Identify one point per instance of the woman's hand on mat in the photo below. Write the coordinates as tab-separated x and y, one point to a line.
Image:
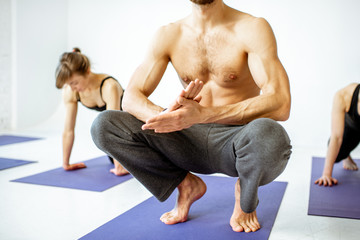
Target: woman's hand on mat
326	181
74	166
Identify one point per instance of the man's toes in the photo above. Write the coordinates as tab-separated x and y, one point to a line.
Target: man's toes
164	217
253	227
168	218
247	229
237	228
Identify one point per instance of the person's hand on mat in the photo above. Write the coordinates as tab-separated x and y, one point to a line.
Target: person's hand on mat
326	181
74	166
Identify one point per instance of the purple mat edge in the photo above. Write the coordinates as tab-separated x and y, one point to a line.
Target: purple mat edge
328	212
16	139
30	178
283	185
15	163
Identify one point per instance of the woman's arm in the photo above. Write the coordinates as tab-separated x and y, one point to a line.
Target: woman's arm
111	94
68	136
337	132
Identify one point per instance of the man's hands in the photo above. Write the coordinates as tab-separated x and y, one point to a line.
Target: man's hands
181	114
191	92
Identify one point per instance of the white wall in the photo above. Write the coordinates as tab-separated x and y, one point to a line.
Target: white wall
115	35
317	43
40	32
5	64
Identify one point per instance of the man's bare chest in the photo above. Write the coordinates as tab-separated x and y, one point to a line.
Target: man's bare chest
210	60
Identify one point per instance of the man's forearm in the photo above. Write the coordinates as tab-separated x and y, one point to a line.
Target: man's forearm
243	112
140	106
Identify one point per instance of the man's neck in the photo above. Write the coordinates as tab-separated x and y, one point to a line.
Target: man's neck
207	16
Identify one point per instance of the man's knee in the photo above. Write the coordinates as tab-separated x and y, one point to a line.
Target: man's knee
113	125
266	143
268	134
100	128
272	148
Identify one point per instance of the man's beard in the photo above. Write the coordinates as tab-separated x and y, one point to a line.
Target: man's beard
202	2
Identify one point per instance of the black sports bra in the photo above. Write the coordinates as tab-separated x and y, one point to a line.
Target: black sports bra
102	108
353	111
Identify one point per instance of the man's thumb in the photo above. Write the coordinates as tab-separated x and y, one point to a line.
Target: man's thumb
181	100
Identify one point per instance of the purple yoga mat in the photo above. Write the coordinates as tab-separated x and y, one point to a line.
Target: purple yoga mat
6	163
10	139
341	200
208	218
95	177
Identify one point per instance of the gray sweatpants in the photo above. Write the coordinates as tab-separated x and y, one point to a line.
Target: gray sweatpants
256	152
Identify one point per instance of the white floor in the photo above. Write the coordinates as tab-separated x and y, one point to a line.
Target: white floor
39	212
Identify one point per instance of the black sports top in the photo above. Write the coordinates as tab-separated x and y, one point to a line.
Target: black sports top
352	118
353	111
102	108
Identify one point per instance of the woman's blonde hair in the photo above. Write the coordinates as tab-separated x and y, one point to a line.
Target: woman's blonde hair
70	63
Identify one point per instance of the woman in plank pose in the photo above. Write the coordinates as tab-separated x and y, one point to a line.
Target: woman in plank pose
345	132
95	91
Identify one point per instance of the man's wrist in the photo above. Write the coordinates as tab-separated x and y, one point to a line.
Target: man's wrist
207	115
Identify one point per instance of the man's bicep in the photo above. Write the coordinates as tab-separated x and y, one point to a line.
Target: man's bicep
148	75
265	66
268	73
267	70
262	52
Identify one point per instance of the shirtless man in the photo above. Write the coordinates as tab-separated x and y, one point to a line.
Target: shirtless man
345	132
224	121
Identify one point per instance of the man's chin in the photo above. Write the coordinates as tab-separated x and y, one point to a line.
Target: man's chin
202	2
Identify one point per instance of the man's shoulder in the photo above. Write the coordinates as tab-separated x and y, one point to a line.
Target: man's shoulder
252	30
165	38
168	34
171	28
248	21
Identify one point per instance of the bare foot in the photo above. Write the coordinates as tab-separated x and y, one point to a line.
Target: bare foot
119	170
349	164
241	221
74	166
190	189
